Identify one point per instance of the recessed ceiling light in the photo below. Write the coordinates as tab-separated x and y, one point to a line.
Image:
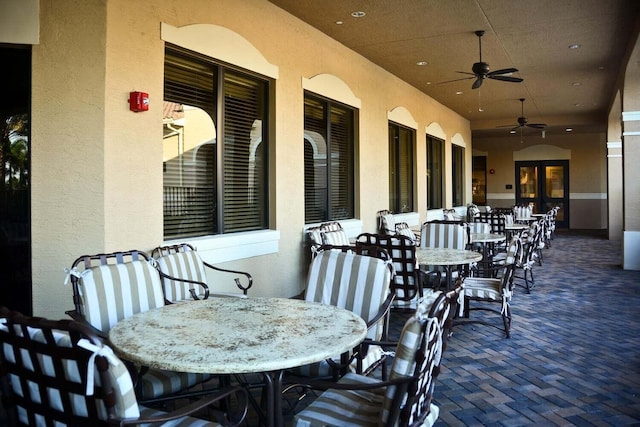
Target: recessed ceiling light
421	63
339	22
576	84
601	67
574	46
577	104
428	83
459	93
358	14
512	131
569	129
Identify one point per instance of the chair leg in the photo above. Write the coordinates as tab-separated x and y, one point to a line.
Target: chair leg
506	320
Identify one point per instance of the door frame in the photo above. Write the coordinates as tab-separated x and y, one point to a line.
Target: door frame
542	201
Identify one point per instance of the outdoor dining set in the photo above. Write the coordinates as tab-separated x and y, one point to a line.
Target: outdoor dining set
149	340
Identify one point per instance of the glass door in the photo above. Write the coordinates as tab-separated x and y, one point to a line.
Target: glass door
544	184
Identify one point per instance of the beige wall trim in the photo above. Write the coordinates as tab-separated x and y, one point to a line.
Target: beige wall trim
630	116
20	21
411	218
542	152
332	87
403	117
631	250
458	139
434	129
588	196
219	43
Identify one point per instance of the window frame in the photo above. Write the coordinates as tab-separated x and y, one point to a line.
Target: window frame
435	173
330	203
401	168
457	175
222	73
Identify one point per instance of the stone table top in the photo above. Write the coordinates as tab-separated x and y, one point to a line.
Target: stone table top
446	256
236	335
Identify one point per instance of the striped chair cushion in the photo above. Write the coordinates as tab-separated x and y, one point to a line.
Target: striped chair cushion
125	402
126	405
387	223
343	408
354	282
335	237
404	362
113	292
185	265
439	235
402	228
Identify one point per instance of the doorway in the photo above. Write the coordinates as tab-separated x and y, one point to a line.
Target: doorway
545	184
15	206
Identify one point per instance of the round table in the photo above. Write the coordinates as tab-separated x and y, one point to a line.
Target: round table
238	335
487	240
447	258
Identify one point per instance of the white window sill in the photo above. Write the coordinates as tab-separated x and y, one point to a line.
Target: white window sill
353	227
234	246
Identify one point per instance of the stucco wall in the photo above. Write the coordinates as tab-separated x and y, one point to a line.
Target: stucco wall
97	167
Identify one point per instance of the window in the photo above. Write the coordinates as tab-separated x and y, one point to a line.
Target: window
435	161
329	129
215	147
457	174
401	142
479	180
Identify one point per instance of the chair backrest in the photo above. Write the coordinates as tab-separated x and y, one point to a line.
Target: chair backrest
328	233
405	284
403	229
418	354
450	215
110	287
386	222
440	234
359	283
181	262
496	220
59	371
472	211
479	227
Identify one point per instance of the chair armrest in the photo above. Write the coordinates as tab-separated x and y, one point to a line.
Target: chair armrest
384	311
195	282
239	284
225	418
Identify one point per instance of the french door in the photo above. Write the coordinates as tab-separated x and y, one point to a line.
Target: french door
545	184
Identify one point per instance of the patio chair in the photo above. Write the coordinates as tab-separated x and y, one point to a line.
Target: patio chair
386	222
328	233
452	234
493	290
405	399
110	287
408	278
360	283
184	274
61	373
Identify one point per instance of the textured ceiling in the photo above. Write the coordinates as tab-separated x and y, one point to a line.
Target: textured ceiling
562	87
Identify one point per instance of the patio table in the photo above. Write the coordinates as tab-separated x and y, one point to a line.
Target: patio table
238	335
447	258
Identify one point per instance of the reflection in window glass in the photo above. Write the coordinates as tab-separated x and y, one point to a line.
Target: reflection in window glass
554	181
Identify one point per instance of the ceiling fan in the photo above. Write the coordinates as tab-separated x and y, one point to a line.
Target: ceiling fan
524	122
481	70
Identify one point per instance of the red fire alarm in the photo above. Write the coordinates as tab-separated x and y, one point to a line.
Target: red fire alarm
138	101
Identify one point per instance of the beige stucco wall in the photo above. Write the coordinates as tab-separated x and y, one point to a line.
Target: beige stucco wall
586	153
97	167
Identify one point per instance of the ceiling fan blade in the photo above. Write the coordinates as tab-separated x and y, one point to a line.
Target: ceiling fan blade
455	80
507	126
477	83
503	71
465	72
537	125
506	78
